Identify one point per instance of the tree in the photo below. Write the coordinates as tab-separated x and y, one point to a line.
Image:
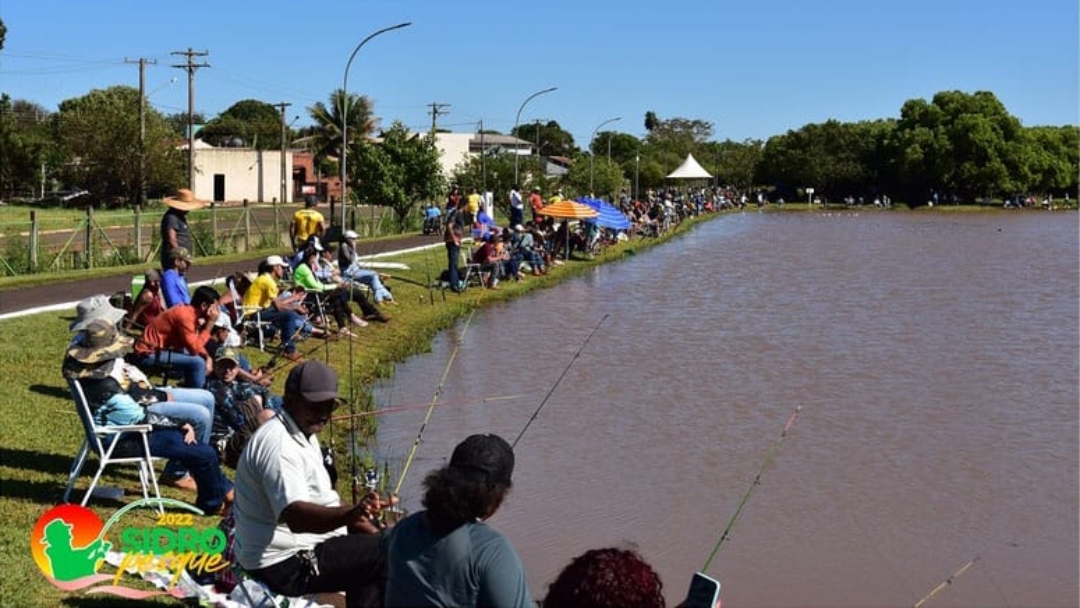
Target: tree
326	136
26	147
256	123
398	173
3	33
549	138
178	122
95	134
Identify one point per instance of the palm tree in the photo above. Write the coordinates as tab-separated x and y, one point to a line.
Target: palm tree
327	136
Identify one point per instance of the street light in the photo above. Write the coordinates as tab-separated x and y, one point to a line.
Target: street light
345	114
591	155
518	117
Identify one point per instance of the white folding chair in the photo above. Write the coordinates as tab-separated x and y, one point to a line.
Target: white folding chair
104	441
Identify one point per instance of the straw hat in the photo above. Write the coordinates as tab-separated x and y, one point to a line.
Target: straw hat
102	343
184	201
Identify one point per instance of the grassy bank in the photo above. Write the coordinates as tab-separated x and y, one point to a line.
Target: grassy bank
41	431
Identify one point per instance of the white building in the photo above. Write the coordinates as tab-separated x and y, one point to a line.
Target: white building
238	174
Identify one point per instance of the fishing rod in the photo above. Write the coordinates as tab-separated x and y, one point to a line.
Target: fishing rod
434	398
416	406
757	481
945	583
354	471
558	380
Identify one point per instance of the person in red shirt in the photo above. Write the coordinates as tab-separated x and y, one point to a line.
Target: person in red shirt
177	337
537	203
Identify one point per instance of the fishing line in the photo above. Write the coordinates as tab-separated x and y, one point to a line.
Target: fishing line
949	581
757	481
558	380
416	406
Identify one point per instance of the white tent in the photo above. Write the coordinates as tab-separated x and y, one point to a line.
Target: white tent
690	169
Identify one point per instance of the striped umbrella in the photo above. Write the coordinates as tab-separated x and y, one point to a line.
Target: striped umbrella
569	210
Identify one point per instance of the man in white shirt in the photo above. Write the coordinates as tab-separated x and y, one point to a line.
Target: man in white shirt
291	528
517	206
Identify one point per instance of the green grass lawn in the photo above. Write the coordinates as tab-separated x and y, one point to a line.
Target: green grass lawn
41	431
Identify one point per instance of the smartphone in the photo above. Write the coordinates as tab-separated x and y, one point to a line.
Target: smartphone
704	592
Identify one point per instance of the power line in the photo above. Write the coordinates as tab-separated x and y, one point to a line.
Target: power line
191	66
436	112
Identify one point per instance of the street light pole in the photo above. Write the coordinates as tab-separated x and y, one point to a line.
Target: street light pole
637	167
518	117
591	155
345	112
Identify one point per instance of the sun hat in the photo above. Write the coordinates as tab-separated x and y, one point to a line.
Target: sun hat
95	307
519	228
484	458
102	343
312	381
184	201
313	241
222	320
275	260
351	234
180	253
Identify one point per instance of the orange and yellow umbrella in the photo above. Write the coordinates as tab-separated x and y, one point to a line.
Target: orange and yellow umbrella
567	209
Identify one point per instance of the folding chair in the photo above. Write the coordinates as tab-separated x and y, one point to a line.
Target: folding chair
121	444
472	269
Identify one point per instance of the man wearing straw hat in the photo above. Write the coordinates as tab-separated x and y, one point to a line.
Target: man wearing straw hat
174	227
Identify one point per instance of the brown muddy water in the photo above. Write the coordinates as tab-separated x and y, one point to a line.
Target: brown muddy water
935	358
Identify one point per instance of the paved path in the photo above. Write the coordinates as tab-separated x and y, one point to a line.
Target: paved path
60	295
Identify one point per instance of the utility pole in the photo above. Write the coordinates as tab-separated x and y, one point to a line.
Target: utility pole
191	66
436	112
141	199
277	233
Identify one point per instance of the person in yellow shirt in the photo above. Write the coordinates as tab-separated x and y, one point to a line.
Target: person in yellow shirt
472	207
287	313
307	222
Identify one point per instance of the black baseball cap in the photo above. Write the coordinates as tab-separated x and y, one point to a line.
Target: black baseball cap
313	381
484	458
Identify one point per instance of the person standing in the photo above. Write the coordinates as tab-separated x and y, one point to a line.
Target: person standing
452	235
307	222
291	525
446	555
537	203
517	206
472	206
175	231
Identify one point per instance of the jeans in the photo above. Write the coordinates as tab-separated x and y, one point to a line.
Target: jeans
191	405
453	256
289	322
200	459
192	366
372	280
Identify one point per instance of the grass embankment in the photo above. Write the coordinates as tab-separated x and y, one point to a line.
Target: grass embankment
41	431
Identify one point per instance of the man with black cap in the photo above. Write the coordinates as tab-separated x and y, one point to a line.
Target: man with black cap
447	555
291	528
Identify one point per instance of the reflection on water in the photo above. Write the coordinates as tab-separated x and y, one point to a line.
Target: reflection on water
936	360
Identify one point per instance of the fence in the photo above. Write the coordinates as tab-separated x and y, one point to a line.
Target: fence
45	243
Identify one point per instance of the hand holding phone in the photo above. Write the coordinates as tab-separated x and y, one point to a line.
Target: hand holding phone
704	592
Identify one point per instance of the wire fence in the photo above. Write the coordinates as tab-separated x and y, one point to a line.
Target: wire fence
44	242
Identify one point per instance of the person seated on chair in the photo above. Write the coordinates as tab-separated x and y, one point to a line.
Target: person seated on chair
336	298
291	526
178	336
148	304
223	335
116	396
241	406
287	313
446	555
491	268
432	219
525	248
511	265
174	284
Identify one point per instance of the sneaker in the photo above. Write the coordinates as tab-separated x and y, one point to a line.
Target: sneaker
184	483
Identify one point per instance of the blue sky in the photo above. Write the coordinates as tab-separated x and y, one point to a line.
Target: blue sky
754	68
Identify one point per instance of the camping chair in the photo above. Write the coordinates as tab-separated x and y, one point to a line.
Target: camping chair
472	269
125	444
247	321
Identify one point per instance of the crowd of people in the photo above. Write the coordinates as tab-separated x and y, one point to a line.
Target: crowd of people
291	530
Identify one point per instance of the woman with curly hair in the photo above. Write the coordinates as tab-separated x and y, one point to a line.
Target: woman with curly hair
446	555
607	578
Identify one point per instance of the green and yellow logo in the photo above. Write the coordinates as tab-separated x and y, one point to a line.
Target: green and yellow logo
69	546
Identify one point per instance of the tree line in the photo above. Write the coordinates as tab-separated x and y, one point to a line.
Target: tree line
962	147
